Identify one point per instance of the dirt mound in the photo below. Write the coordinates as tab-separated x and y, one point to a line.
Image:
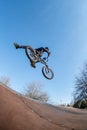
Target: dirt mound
20	113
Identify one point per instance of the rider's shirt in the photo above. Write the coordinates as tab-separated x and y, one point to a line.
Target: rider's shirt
40	50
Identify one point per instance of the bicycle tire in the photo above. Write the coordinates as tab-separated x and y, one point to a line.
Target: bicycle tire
30	52
46	73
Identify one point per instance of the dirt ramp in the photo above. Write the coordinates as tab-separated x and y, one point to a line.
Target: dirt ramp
16	115
20	113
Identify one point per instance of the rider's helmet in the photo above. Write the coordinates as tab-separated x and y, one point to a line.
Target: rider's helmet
47	48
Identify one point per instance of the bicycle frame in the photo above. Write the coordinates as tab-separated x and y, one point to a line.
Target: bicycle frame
44	61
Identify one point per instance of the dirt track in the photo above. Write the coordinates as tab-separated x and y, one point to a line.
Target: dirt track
20	113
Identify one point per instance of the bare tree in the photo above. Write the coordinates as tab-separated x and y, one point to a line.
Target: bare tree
34	91
5	80
80	94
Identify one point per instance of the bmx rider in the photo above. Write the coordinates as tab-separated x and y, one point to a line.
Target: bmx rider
39	52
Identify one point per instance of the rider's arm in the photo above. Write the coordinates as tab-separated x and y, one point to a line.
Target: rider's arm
48	53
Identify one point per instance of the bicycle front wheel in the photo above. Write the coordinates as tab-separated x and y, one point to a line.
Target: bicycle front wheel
47	72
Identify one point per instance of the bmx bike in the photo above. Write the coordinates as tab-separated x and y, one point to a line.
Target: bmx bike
32	56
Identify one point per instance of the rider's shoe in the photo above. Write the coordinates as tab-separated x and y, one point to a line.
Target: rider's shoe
33	64
16	45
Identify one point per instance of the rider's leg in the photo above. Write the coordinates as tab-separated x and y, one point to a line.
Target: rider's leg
19	46
33	64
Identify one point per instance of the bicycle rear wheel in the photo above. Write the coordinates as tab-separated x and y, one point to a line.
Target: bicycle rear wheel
47	72
30	52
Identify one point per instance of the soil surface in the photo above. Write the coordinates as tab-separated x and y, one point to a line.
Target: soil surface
20	113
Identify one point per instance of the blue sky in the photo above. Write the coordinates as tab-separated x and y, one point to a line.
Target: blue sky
59	24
